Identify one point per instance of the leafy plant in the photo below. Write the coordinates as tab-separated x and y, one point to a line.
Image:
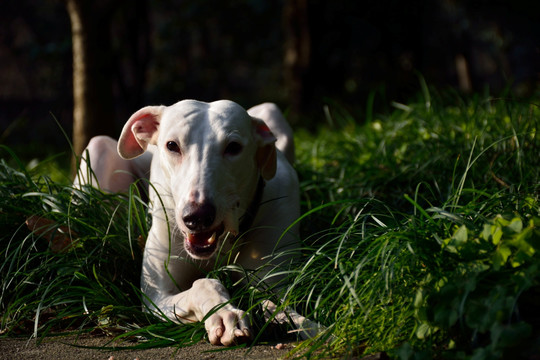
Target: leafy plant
414	270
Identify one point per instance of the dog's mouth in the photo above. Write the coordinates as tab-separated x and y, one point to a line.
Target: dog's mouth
203	244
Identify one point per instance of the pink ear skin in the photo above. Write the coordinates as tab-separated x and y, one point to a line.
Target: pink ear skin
140	130
266	153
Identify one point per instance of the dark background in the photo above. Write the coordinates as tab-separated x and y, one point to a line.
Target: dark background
301	54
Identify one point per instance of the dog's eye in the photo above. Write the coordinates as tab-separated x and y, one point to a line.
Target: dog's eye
173	147
234	148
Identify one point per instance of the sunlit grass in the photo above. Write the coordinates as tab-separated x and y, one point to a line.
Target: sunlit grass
414	221
423	176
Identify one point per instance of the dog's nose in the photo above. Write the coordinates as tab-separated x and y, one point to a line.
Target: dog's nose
199	216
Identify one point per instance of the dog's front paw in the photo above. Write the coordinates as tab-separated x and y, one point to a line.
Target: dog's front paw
228	327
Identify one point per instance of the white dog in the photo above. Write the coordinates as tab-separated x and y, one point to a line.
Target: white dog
217	171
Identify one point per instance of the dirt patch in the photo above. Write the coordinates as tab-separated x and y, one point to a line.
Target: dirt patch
63	348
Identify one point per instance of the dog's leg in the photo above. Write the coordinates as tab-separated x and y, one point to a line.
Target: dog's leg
226	325
279	126
306	328
201	300
273	117
103	168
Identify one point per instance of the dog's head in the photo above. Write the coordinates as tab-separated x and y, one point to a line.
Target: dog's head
212	156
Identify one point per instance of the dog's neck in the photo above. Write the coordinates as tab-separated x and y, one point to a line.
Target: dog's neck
251	212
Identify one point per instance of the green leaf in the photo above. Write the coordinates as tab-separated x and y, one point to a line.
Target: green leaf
493	233
500	257
424	331
486	232
505	253
497	234
419	298
460	236
499	220
516	225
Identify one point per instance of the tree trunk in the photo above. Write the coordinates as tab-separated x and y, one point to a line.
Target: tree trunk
297	52
93	110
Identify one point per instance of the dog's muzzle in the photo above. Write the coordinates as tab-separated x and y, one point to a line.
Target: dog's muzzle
201	239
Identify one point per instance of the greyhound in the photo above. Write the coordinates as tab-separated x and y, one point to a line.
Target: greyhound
217	172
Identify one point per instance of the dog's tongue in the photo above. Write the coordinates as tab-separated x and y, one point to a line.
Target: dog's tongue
202	245
202	240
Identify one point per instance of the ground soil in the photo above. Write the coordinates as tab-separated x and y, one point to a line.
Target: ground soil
63	348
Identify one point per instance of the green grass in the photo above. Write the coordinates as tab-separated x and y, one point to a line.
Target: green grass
419	238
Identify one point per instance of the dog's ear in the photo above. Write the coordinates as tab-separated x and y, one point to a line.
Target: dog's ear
266	152
140	130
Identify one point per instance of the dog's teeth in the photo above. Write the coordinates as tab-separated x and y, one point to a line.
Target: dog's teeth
212	239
